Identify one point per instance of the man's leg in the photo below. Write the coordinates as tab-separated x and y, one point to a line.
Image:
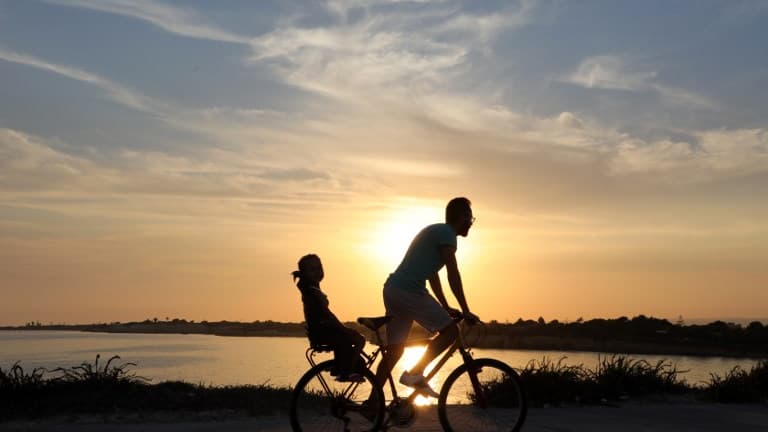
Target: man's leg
443	340
392	355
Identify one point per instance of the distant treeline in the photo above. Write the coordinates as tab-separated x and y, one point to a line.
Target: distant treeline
180	326
638	335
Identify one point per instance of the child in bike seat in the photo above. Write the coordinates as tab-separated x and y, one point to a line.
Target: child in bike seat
323	328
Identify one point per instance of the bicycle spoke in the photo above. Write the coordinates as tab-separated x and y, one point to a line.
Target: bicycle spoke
321	403
486	397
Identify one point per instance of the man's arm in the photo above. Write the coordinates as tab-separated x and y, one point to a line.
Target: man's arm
437	289
448	254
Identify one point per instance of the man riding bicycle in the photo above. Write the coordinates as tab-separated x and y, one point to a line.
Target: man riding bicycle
406	298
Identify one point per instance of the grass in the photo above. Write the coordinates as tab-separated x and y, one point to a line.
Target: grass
111	388
615	378
738	385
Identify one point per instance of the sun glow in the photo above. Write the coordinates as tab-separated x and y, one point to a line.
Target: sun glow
387	238
410	357
392	235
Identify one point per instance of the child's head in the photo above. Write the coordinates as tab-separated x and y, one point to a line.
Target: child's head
310	269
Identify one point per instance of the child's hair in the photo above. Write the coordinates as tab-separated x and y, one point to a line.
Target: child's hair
297	274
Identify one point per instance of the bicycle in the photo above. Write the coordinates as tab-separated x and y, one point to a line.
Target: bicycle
479	395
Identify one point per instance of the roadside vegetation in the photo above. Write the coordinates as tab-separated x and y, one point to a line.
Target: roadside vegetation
112	387
615	378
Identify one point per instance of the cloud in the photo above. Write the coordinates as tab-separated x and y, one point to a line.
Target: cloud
615	73
717	154
383	52
116	92
486	26
398	73
172	19
608	72
408	167
28	164
570	120
32	166
349	60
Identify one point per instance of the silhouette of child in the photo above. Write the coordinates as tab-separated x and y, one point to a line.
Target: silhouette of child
323	328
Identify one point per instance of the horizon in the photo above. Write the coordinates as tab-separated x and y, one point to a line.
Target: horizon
176	159
743	321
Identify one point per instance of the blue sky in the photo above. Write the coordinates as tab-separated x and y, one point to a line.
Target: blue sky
603	136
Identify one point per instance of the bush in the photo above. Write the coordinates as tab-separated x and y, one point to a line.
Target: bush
615	378
739	385
91	388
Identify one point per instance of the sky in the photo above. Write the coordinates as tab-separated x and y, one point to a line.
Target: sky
175	159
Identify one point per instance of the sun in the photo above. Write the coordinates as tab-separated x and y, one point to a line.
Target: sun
391	236
387	237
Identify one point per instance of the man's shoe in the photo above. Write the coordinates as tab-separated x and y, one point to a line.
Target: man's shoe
418	383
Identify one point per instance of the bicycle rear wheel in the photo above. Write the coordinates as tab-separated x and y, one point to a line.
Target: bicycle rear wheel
494	402
320	403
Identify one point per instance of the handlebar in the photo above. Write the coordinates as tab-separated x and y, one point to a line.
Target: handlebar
460	318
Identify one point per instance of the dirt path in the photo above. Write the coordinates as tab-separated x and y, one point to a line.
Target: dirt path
631	417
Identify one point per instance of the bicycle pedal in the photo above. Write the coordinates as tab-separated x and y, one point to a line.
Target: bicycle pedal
402	414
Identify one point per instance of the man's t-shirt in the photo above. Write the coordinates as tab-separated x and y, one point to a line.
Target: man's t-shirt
423	258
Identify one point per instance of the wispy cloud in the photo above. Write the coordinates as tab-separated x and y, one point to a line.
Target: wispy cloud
394	66
118	93
716	154
608	72
172	19
31	165
384	52
616	73
380	47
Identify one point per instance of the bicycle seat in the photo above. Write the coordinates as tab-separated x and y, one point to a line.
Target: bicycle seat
374	323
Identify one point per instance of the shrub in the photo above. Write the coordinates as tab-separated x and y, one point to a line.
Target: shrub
738	385
616	377
93	388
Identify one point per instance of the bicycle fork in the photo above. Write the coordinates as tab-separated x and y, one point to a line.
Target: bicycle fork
473	371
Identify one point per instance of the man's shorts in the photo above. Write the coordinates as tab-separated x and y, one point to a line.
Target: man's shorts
405	307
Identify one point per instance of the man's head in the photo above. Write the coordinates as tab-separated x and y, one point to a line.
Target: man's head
458	214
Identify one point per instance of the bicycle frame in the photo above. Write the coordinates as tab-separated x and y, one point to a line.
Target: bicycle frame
458	345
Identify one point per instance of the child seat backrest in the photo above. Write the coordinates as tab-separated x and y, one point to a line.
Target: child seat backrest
315	342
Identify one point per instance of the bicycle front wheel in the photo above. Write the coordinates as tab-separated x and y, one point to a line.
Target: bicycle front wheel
485	395
321	403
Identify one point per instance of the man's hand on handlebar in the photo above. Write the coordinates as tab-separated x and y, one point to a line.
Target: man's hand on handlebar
467	316
470	318
454	313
